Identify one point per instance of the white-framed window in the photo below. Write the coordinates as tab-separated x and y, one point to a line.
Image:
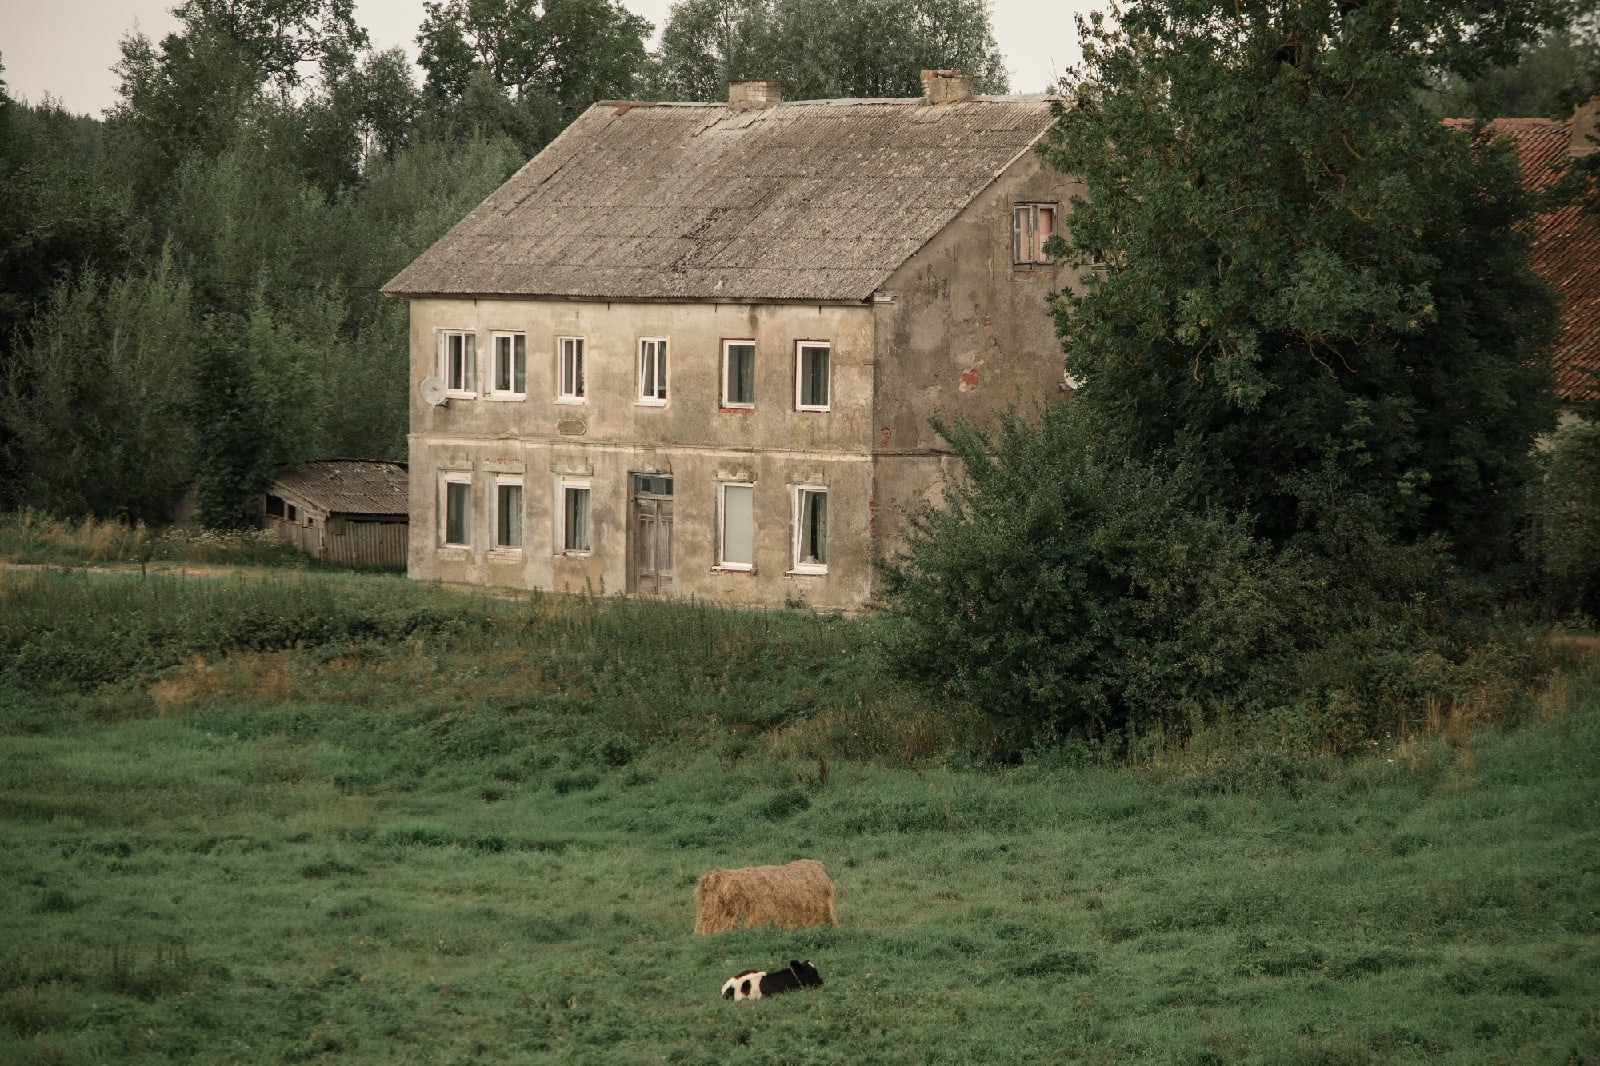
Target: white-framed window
509	379
455	510
736	538
507	513
738	373
810	529
458	362
569	369
811	375
572	524
1031	226
652	370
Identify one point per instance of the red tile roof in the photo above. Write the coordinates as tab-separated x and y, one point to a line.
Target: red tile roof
1566	253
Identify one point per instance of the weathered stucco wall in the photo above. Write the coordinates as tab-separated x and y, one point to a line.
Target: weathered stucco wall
963	331
959	329
611	435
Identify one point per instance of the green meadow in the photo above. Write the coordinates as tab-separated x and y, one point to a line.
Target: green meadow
321	817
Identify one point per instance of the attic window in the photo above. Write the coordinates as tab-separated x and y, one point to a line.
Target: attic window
1031	226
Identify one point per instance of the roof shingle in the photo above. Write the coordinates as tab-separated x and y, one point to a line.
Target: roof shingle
1565	252
348	486
817	200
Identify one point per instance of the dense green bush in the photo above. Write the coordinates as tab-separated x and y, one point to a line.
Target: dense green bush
1564	532
1069	589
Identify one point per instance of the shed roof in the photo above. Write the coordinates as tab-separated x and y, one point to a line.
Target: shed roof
1565	252
348	486
813	200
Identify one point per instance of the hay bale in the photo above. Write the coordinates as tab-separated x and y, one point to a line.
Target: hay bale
789	896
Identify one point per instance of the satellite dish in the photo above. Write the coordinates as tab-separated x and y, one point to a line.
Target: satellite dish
432	390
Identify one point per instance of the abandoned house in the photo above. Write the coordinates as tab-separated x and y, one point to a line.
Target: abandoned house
692	349
347	511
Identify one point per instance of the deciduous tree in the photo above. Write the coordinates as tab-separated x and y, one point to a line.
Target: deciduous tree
822	49
546	60
1307	276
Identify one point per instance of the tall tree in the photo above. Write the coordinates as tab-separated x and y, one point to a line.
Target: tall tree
97	401
1309	280
825	48
707	43
527	67
61	212
191	93
1549	76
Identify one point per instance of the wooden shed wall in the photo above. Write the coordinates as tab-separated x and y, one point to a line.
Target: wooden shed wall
365	542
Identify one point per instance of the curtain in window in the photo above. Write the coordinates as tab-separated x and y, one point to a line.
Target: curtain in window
813	527
813	376
458	503
577	519
508	512
741	373
738	524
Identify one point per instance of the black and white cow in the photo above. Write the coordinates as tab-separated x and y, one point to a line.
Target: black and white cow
753	984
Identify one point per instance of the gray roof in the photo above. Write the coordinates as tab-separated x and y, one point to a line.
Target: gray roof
815	200
347	486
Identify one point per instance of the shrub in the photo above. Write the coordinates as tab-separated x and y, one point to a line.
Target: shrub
1068	589
1563	537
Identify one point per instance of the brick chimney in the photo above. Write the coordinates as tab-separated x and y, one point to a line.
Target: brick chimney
1585	128
754	93
945	86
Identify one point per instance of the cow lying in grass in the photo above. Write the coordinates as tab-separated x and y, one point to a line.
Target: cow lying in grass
753	984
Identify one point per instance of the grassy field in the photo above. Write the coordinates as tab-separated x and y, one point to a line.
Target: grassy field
327	818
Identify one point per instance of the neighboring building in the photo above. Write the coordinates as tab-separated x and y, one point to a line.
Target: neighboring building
348	511
693	349
1566	247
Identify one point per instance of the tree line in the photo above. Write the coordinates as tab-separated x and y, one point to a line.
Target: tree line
189	287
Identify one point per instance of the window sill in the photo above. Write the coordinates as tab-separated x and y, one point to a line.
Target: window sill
804	570
813	410
454	549
732	568
643	402
737	408
505	554
507	396
460	395
574	553
572	401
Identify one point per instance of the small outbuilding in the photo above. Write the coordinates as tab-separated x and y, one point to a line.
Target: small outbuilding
347	511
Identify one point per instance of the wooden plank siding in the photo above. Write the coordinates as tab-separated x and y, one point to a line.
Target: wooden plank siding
365	542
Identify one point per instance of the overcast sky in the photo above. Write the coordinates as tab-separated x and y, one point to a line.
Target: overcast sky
67	47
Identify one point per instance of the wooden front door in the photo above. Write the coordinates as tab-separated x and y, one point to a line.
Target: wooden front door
651	529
